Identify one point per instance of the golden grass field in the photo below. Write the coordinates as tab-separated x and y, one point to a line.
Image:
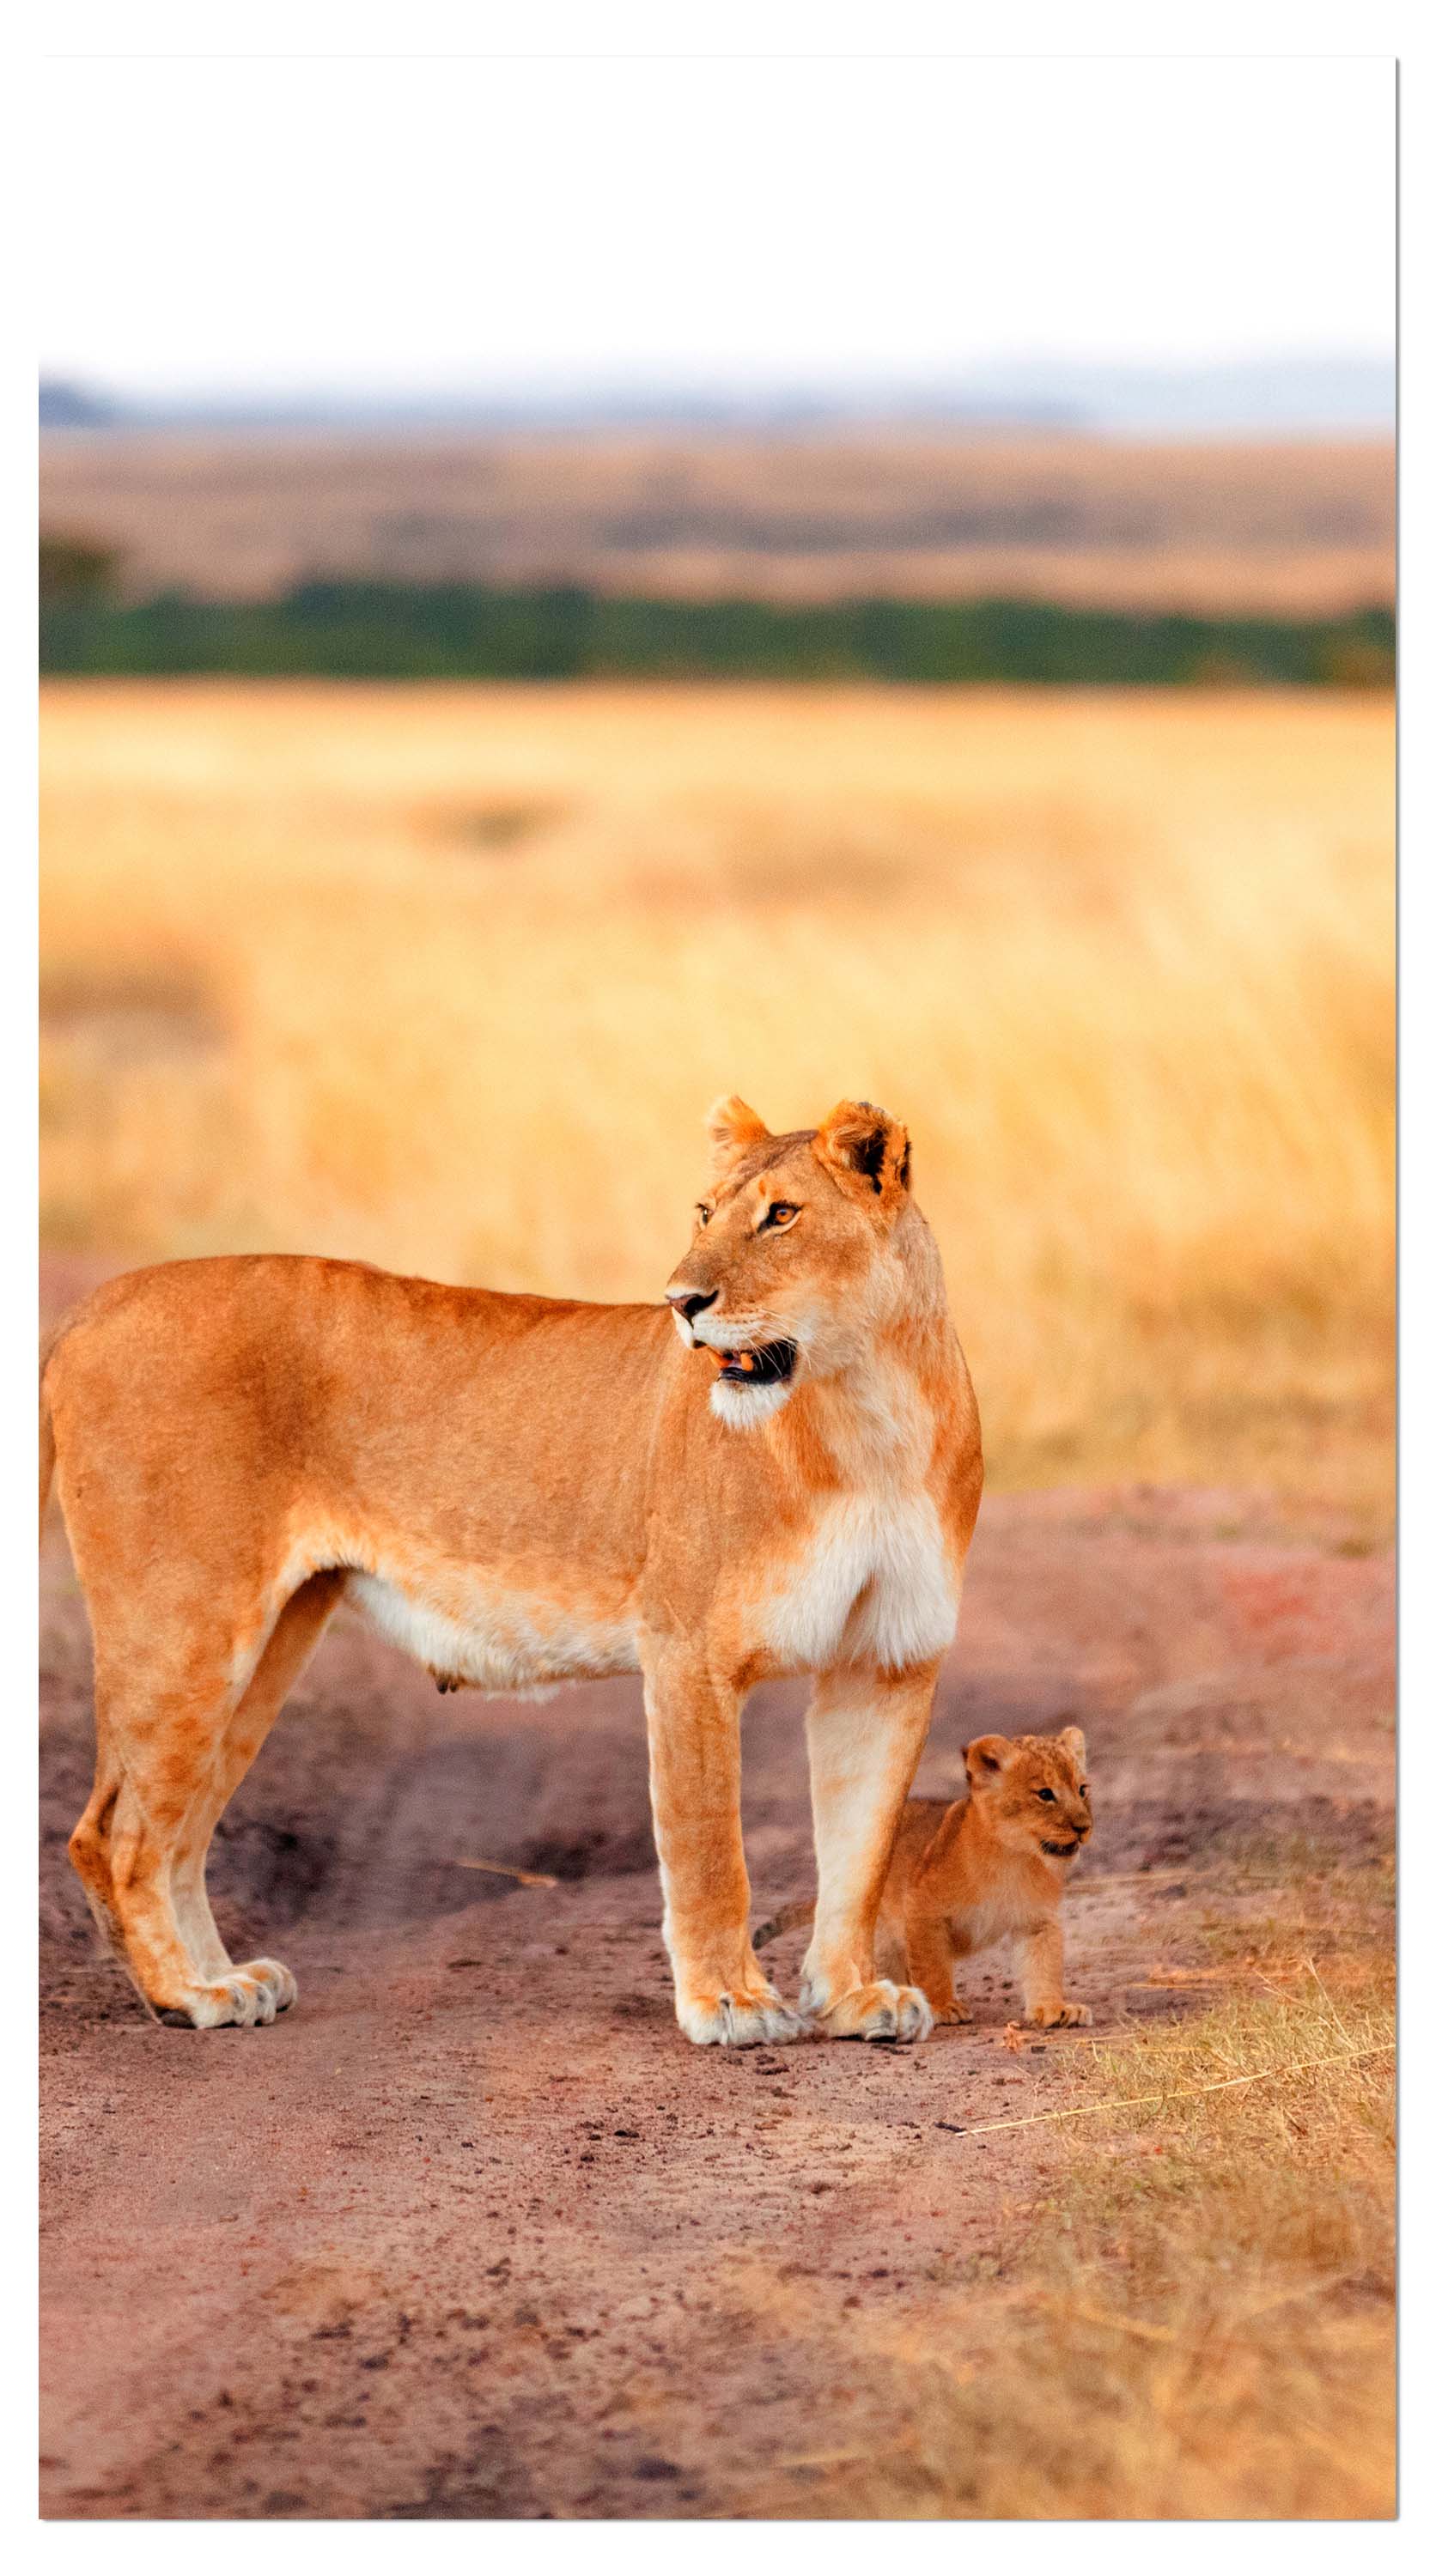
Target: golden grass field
445	977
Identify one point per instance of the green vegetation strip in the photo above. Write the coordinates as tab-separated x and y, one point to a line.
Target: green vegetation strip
392	631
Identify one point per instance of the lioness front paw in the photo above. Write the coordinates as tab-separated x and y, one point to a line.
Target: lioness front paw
254	1993
740	2019
879	2011
1060	2016
958	2009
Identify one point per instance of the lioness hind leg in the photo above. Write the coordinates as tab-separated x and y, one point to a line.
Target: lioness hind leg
158	1733
295	1635
90	1847
175	1739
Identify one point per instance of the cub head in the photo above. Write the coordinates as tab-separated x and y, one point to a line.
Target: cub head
793	1266
1034	1790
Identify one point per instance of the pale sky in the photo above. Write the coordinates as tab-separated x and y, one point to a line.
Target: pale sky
299	227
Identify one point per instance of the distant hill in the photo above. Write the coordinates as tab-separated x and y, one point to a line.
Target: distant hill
1313	396
1248	398
66	406
1213	529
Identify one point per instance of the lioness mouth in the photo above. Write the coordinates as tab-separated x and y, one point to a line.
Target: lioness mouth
770	1365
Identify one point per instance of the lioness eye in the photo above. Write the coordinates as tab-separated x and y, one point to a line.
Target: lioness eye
704	1214
1050	1795
780	1213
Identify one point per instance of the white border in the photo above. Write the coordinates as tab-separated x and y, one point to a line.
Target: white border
915	29
814	30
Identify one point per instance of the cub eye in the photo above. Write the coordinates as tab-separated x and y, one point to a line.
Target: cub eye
781	1214
1050	1795
704	1214
1082	1791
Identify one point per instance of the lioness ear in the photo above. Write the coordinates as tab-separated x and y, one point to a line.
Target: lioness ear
733	1127
1076	1743
733	1130
865	1151
985	1757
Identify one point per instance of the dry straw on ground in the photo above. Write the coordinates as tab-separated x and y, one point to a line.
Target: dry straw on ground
446	978
1213	2275
1193	2321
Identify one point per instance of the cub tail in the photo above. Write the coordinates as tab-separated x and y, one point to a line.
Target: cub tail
787	1919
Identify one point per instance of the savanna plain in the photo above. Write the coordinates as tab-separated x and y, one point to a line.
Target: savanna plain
444	978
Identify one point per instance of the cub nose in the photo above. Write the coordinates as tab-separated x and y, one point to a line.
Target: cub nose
691	1301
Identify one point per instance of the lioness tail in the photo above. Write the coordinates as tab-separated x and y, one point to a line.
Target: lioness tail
47	1426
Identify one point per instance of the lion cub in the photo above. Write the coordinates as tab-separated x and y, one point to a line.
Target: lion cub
993	1863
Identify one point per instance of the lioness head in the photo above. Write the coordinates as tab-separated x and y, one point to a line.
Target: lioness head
1034	1789
793	1265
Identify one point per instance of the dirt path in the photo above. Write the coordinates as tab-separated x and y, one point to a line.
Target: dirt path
473	2231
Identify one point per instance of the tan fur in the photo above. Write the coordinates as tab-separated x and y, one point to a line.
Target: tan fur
966	1875
523	1490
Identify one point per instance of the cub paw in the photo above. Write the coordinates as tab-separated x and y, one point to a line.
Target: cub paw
729	2020
879	2011
1060	2016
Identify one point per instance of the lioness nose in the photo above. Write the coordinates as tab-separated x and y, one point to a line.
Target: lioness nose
690	1301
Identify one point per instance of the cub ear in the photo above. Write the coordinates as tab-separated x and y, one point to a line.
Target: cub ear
733	1130
866	1151
1075	1743
985	1757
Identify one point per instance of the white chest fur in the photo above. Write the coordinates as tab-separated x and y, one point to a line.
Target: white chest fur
872	1582
981	1925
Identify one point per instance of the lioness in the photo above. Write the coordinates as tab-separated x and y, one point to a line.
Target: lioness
989	1867
524	1490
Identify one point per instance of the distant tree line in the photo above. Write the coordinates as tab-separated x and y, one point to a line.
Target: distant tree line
76	568
367	630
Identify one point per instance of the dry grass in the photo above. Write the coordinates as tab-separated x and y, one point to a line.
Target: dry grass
1303	528
446	978
1185	2305
1184	2301
1197	2324
1192	2318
